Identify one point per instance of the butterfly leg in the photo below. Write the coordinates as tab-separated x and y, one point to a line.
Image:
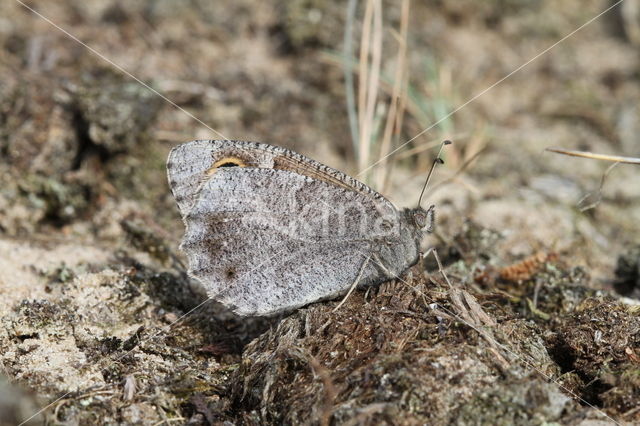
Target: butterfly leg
390	275
440	268
354	285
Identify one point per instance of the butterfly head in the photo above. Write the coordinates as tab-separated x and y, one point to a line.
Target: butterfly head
423	219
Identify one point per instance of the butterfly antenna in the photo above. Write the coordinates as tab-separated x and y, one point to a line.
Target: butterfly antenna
438	160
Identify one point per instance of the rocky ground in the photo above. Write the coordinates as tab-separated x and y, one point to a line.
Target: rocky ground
540	322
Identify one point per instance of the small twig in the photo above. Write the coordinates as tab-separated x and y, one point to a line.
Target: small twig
62	402
630	412
537	312
171	420
472	314
329	388
348	74
363	79
594	156
536	293
616	159
440	268
582	205
395	112
407	313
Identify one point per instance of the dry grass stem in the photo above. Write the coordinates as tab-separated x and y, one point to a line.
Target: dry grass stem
594	156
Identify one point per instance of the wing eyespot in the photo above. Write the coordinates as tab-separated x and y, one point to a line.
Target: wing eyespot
226	162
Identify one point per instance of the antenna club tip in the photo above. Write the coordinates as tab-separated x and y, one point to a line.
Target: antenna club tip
440	160
447	142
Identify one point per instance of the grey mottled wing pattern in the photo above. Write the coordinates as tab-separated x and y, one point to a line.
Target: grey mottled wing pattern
263	241
190	165
269	230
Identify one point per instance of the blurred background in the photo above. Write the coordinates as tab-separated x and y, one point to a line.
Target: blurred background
368	87
83	144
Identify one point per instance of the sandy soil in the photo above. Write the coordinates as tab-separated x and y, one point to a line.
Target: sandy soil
99	323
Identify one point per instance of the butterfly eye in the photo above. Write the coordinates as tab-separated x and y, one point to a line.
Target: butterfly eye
420	219
424	219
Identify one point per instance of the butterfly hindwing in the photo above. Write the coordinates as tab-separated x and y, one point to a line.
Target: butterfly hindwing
263	240
269	230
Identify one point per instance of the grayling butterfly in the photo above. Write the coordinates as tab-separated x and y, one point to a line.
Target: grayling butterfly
269	230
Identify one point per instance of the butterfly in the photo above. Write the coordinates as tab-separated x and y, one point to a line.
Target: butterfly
269	230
